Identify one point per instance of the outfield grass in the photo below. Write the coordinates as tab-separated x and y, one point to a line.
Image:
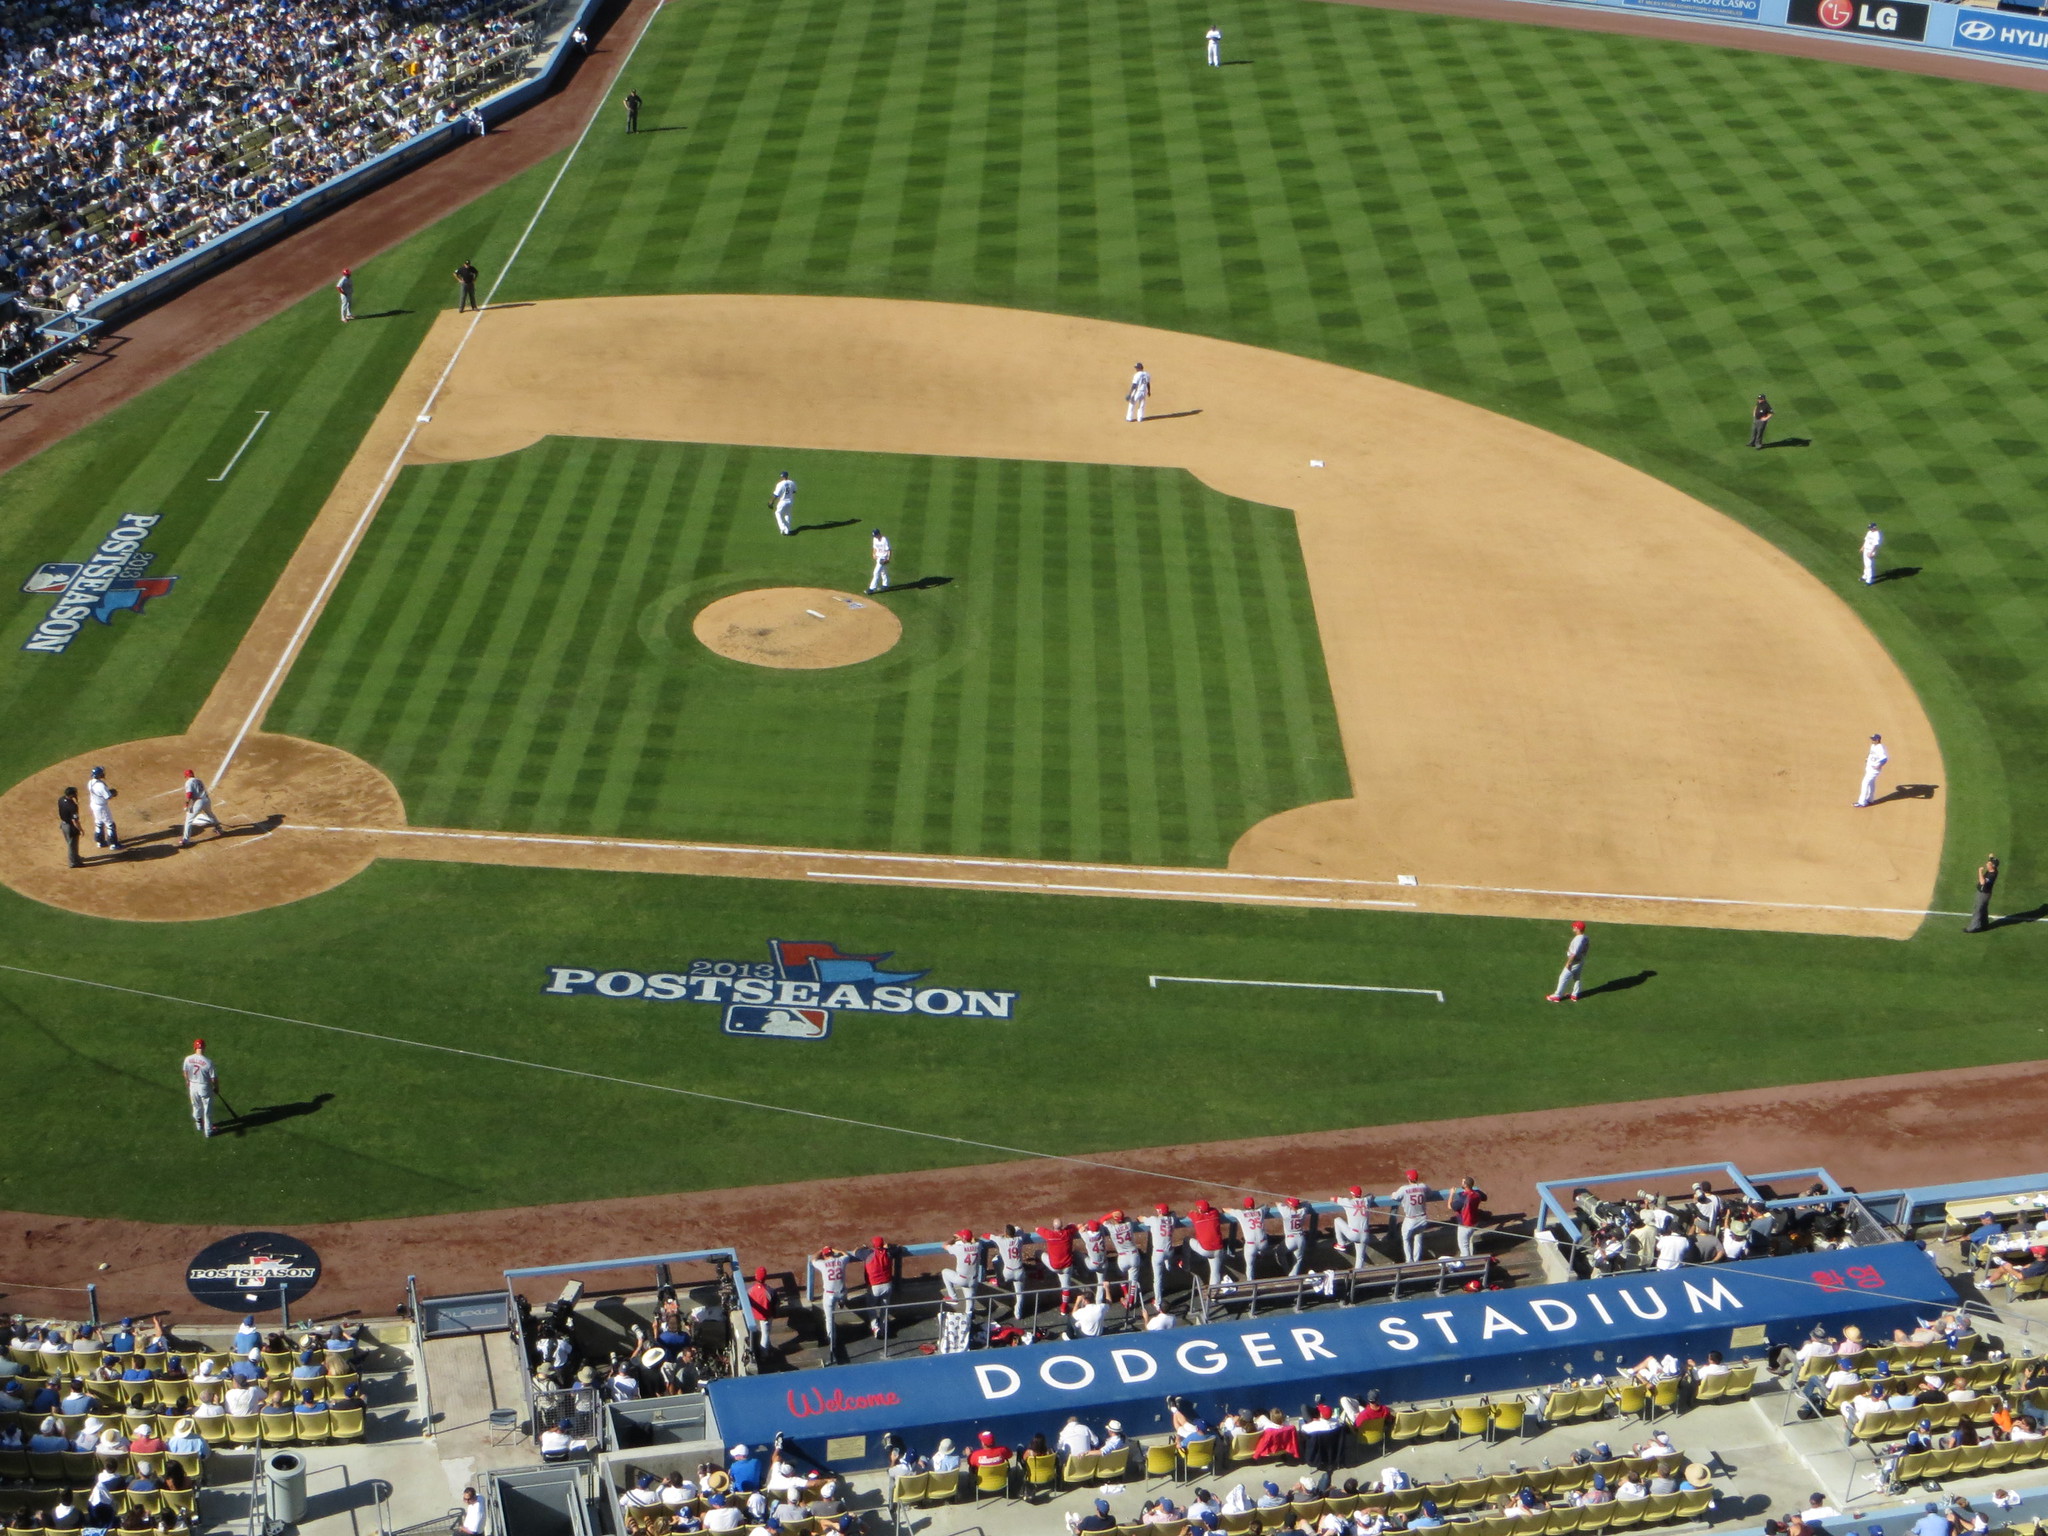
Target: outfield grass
1619	240
1104	663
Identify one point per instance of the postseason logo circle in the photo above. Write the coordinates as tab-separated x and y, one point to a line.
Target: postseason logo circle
252	1271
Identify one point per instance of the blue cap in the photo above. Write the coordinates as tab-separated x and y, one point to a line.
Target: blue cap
1102	1506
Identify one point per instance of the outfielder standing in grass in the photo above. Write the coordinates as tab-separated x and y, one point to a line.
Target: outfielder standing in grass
1574	962
1215	41
198	809
1872	542
201	1083
345	285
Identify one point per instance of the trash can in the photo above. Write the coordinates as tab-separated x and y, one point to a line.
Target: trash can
286	1474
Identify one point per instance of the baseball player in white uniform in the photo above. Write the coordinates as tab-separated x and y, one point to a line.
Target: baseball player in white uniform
964	1278
1873	764
1411	1200
1574	964
879	581
1159	1236
99	794
201	1083
1215	41
1123	1237
1095	1254
1136	396
345	285
1873	541
1251	1225
782	501
198	809
1354	1223
831	1267
1294	1219
1009	1246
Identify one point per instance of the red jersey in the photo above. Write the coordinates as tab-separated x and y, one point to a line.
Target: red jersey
1059	1245
881	1266
1208	1227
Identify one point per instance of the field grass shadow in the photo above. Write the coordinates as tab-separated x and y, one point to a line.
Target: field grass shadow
1619	984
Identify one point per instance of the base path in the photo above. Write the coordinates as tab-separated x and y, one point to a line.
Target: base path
1877	1133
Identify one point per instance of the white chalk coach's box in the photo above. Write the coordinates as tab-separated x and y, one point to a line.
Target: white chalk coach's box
1430	1347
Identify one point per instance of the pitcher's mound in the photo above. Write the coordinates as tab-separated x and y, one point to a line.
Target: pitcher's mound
806	627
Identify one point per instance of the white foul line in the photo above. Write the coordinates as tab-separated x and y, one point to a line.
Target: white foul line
1312	986
376	500
1102	890
261	417
948	862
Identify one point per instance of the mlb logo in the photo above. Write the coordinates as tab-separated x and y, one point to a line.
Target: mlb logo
778	1023
51	579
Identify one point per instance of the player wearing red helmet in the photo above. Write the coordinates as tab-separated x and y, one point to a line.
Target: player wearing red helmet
1208	1238
1059	1257
1294	1223
831	1267
1251	1226
1159	1234
964	1278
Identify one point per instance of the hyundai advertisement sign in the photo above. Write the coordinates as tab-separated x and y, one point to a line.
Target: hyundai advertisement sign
2016	37
1434	1346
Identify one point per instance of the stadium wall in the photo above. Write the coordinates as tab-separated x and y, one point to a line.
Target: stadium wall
1434	1347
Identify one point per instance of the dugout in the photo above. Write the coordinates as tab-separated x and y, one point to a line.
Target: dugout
1424	1349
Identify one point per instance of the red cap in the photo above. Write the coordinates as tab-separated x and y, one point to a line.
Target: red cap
761	1273
1163	1209
198	1045
878	1242
1294	1200
1094	1226
1412	1175
1202	1205
347	271
1356	1190
988	1437
965	1232
1578	927
1116	1215
1250	1203
190	774
825	1252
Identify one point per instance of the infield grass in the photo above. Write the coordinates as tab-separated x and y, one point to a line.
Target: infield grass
1620	240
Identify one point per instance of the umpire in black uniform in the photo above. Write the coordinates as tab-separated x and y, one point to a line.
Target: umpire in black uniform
1987	881
67	818
466	275
1758	420
632	111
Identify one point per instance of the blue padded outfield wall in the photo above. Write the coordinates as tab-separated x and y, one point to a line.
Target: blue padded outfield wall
1416	1350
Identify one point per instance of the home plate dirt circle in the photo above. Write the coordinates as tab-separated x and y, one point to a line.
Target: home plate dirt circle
275	783
800	627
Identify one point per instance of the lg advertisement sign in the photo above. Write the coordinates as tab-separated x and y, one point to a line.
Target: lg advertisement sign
1901	20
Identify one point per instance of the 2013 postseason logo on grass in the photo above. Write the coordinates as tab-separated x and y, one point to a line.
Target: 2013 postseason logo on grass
115	579
794	996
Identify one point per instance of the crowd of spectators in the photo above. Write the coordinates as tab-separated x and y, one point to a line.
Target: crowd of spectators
132	132
1654	1231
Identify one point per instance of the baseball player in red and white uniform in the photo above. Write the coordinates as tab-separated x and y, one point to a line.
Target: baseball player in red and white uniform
1251	1226
1095	1254
1058	1256
1208	1239
198	809
964	1278
1354	1223
1294	1220
880	1268
1159	1235
1411	1202
831	1267
1009	1246
1123	1237
201	1083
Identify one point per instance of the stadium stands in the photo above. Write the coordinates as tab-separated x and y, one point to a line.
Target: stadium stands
133	133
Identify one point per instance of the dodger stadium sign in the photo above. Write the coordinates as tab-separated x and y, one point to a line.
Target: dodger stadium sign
795	995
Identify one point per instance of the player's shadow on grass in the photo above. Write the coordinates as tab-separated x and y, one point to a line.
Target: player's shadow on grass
1897	573
1791	442
384	314
270	1114
1619	984
921	584
2014	919
665	128
844	522
1908	792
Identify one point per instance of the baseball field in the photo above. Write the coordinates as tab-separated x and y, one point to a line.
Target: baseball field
1439	602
